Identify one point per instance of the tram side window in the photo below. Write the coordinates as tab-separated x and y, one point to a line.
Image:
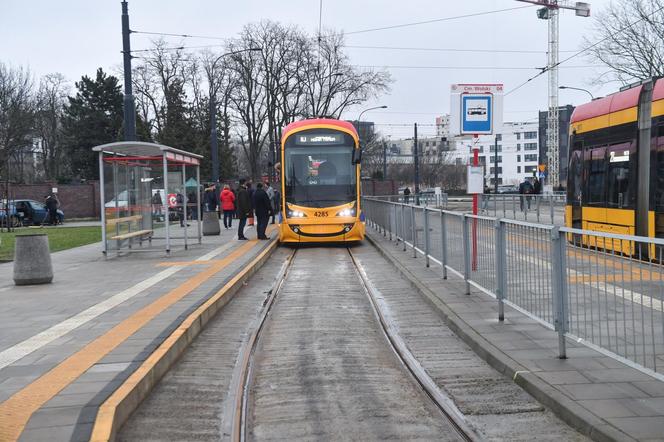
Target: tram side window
595	165
574	174
618	176
657	174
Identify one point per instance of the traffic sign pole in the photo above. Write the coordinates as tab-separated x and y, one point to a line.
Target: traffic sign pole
476	162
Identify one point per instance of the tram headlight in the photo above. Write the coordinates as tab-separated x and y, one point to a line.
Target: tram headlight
347	212
295	214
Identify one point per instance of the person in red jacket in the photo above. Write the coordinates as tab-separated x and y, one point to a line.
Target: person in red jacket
228	206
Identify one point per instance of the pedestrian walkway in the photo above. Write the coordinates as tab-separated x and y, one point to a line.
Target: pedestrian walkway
597	394
67	346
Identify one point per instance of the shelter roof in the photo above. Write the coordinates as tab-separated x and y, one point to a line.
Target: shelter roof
143	149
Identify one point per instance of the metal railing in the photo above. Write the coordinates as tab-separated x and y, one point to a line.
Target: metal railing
603	290
426	199
547	208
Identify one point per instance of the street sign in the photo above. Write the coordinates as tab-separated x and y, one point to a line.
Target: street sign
475	181
476	109
542	167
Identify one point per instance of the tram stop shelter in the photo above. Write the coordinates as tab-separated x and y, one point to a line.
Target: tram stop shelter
147	191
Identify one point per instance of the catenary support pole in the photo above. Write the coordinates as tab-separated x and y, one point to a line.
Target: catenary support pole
129	110
416	166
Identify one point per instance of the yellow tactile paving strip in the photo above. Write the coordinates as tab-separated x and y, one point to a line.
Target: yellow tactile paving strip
16	411
107	418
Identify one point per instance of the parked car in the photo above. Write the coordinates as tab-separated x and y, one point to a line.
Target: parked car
15	217
34	213
508	189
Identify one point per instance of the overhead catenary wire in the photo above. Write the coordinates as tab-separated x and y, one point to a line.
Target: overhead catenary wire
402	25
582	51
436	20
430	49
484	68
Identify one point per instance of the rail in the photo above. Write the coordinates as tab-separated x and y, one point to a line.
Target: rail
603	290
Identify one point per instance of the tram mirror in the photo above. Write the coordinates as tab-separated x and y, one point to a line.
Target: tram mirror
357	155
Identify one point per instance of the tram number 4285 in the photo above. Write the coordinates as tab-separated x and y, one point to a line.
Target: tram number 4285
321	213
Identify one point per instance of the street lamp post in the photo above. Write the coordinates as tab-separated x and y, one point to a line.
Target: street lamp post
359	119
592	97
214	146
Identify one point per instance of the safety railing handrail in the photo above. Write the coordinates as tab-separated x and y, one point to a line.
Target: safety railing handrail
525	265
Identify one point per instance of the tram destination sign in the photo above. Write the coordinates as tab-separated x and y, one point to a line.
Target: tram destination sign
319	139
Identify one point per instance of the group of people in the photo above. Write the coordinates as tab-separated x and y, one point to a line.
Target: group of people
243	203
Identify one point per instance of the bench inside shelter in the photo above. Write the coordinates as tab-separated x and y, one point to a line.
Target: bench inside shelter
132	224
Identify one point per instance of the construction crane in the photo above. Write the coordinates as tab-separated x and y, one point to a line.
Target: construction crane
550	11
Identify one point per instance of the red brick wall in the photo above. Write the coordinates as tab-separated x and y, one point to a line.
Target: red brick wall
379	187
76	200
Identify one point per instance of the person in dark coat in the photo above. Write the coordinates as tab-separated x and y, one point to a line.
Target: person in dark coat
52	204
537	187
243	209
210	199
406	195
263	210
526	189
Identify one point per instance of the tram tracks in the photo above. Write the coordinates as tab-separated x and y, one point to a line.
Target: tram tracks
241	391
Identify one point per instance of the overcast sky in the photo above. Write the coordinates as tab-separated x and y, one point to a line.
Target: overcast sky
74	37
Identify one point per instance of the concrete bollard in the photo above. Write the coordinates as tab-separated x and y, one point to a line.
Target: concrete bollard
32	260
211	224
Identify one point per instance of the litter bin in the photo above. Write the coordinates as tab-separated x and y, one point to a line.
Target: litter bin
32	260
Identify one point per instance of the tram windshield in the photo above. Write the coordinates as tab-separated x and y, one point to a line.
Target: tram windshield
319	169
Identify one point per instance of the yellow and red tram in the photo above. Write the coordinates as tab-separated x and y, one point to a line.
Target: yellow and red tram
615	178
320	182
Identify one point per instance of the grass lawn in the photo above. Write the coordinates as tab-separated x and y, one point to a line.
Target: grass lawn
59	238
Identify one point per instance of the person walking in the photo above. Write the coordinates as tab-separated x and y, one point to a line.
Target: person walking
406	195
250	190
270	194
537	187
210	199
180	208
525	190
228	206
156	205
276	204
263	209
52	204
243	209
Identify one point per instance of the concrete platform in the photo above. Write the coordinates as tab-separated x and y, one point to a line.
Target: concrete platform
66	347
600	396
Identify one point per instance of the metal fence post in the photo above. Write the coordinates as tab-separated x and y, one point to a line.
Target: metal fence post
537	198
396	224
501	275
403	226
443	243
551	207
412	219
385	218
389	218
466	254
559	285
426	237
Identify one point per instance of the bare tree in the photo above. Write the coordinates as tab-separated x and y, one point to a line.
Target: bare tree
51	100
332	84
631	33
17	107
248	98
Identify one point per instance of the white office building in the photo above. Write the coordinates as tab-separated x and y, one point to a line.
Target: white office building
518	150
